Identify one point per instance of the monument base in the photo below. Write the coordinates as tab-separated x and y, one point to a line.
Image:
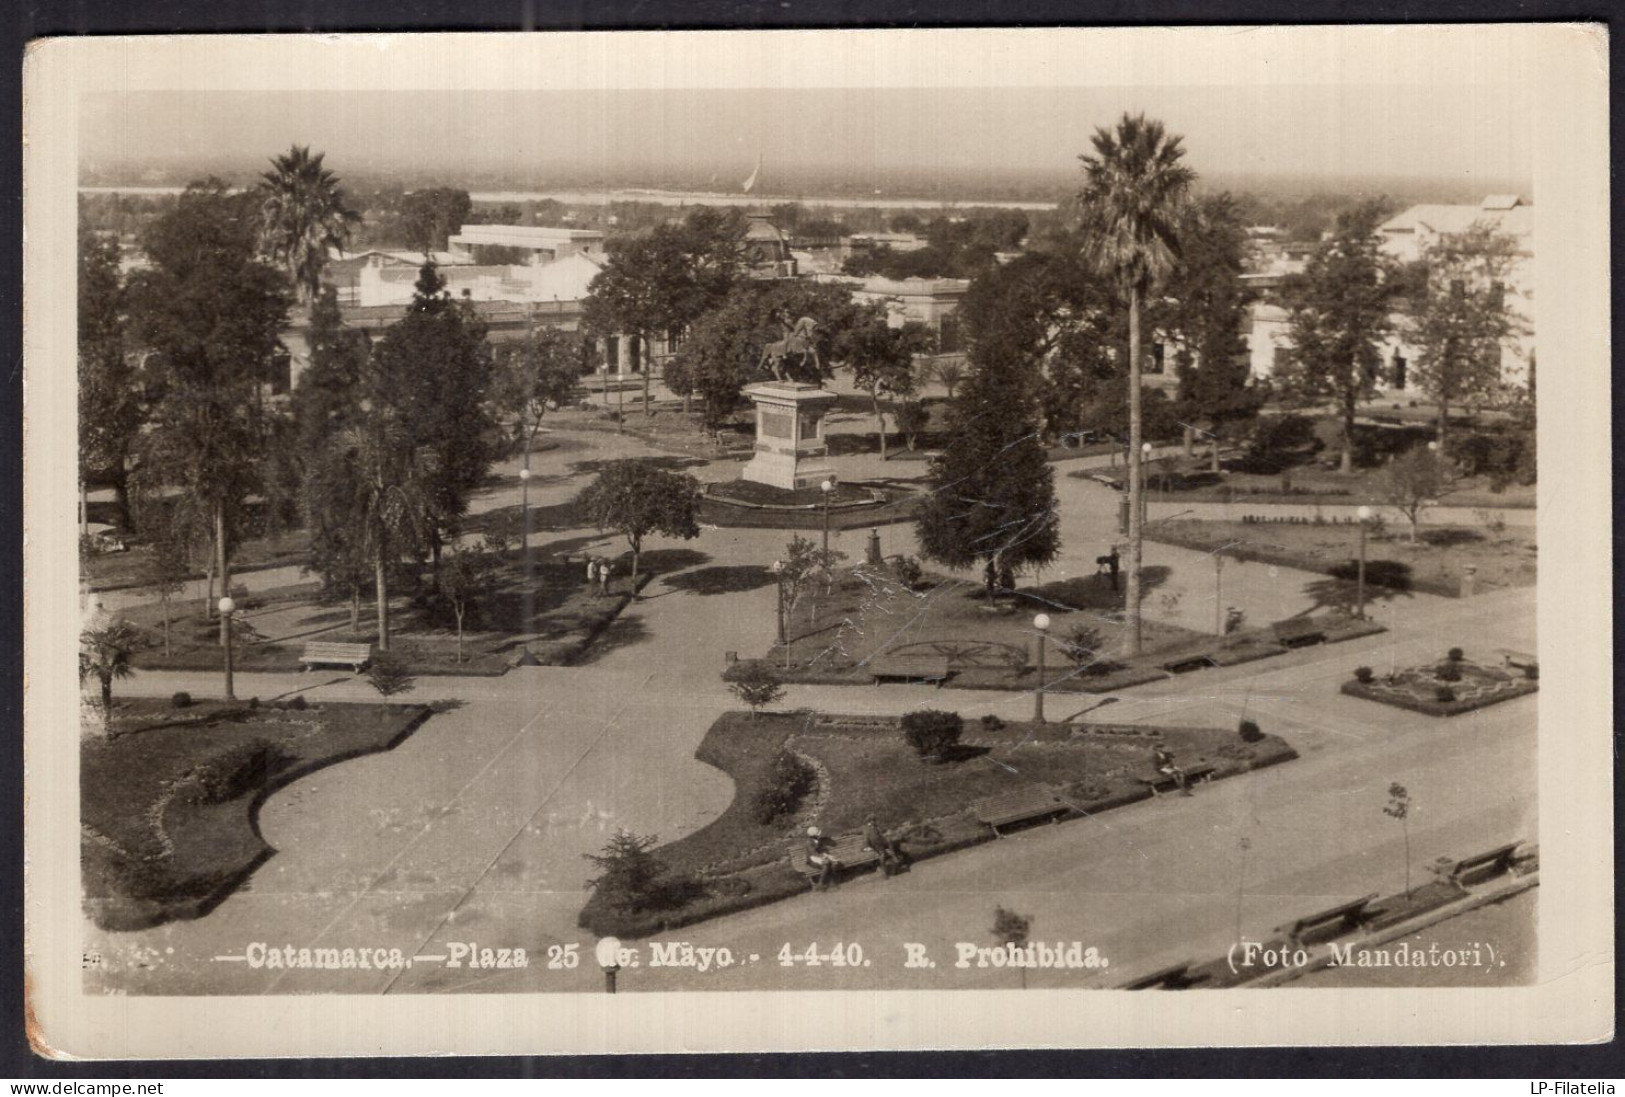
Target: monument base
790	449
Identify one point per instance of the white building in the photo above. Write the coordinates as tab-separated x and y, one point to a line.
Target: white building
544	244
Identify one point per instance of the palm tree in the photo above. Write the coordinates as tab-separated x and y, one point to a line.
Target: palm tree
1135	188
304	216
391	500
104	654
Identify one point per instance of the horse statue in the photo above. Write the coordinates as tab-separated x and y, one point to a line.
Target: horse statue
798	343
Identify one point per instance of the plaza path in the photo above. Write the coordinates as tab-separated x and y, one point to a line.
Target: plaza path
473	829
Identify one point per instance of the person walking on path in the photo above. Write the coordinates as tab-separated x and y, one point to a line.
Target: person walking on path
592	574
604	571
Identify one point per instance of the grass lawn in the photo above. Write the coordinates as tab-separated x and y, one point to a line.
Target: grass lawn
1435	562
120	570
1417	689
556	616
169	797
1188	480
864	767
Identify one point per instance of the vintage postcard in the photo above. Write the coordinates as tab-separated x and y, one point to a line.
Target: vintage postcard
818	540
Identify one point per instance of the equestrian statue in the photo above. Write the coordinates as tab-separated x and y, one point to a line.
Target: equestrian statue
798	345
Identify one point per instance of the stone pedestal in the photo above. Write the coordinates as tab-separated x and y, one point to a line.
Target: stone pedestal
790	449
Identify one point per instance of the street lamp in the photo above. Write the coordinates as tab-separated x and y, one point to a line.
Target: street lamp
778	581
1364	515
1041	623
1145	472
608	954
1218	594
227	607
828	488
524	514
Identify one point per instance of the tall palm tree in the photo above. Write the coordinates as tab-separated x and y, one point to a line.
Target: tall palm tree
391	499
1135	188
304	215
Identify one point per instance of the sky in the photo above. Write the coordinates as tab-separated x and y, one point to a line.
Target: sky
1450	132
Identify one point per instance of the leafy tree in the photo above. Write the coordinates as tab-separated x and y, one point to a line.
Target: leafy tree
992	496
166	571
634	498
542	372
104	654
1463	318
882	360
1135	188
1208	307
467	576
434	370
111	409
208	313
1338	314
430	216
327	399
304	216
631	879
664	281
756	686
721	353
1399	807
800	563
912	419
932	733
1413	480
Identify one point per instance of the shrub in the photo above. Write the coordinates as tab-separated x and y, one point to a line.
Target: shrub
788	782
253	703
388	675
932	733
1362	674
1455	655
1448	672
1249	731
1531	672
182	699
243	768
908	571
1082	644
299	704
992	722
631	879
756	685
1444	695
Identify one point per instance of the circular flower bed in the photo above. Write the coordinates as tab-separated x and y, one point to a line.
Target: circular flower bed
1442	689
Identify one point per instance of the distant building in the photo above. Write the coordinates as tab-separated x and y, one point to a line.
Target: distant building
932	302
542	244
767	250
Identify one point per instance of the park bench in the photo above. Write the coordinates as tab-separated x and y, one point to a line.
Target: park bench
1326	924
910	668
1024	805
1478	868
1521	660
1160	783
319	653
1173	977
1298	632
1184	664
848	850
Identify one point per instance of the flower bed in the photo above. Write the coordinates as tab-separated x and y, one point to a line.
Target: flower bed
1417	689
865	768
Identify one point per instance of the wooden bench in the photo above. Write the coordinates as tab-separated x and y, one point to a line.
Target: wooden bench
910	668
1522	660
1298	632
1329	923
848	850
1160	783
1173	977
318	653
1184	664
1481	867
1024	805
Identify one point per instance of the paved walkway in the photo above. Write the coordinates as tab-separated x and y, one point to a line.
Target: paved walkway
474	828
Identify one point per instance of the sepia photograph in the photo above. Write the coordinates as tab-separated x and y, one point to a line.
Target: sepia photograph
703	517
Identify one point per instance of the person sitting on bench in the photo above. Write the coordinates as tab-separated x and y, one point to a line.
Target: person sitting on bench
818	857
1164	763
891	858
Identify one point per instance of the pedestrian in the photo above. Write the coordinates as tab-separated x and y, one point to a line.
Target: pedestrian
592	574
604	570
1113	563
891	860
1164	763
819	857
